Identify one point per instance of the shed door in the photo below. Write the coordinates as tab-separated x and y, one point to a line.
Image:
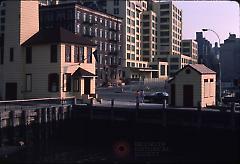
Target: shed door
188	95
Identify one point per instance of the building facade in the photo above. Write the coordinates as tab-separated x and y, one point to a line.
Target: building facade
204	49
149	35
103	29
190	48
60	65
193	85
37	65
230	59
169	27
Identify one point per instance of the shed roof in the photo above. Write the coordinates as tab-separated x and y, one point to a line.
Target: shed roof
200	68
57	35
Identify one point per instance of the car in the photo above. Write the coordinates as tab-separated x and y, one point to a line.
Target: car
157	97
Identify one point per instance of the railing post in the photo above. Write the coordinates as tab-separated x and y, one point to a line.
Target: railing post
12	118
39	116
112	103
25	116
164	104
61	113
44	112
199	114
233	108
69	111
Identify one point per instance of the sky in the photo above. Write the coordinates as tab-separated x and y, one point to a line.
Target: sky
221	16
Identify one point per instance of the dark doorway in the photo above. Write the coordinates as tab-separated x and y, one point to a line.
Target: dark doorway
87	85
11	91
173	94
188	95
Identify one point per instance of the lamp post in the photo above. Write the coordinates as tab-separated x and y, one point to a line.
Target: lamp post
219	65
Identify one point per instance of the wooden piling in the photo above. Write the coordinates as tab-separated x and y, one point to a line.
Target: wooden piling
61	113
49	114
25	117
69	111
39	116
55	113
44	115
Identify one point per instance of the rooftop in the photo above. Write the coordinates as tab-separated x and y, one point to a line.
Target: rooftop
57	35
82	6
201	68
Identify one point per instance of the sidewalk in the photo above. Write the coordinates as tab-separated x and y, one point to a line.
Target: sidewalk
132	105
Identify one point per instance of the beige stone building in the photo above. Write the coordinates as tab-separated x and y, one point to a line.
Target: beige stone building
193	84
42	64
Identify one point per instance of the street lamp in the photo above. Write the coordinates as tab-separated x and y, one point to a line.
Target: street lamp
219	65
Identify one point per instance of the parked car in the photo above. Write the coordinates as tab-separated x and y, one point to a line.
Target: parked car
157	97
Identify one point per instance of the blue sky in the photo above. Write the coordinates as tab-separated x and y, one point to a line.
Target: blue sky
220	16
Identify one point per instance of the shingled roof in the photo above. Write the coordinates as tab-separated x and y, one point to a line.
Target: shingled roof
202	69
57	35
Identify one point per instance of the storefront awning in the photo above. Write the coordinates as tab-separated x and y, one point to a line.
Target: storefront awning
82	73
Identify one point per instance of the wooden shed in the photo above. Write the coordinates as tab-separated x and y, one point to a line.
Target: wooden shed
193	84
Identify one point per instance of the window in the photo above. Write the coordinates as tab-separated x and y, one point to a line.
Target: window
128	55
11	54
28	82
206	88
116	10
81	54
146	31
162	70
76	54
174	59
66	82
28	55
101	33
76	85
2	56
89	55
53	82
173	67
53	58
211	88
67	53
116	2
3	12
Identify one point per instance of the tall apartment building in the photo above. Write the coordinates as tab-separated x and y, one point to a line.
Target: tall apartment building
190	49
149	35
230	58
169	34
132	12
204	48
2	17
102	29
